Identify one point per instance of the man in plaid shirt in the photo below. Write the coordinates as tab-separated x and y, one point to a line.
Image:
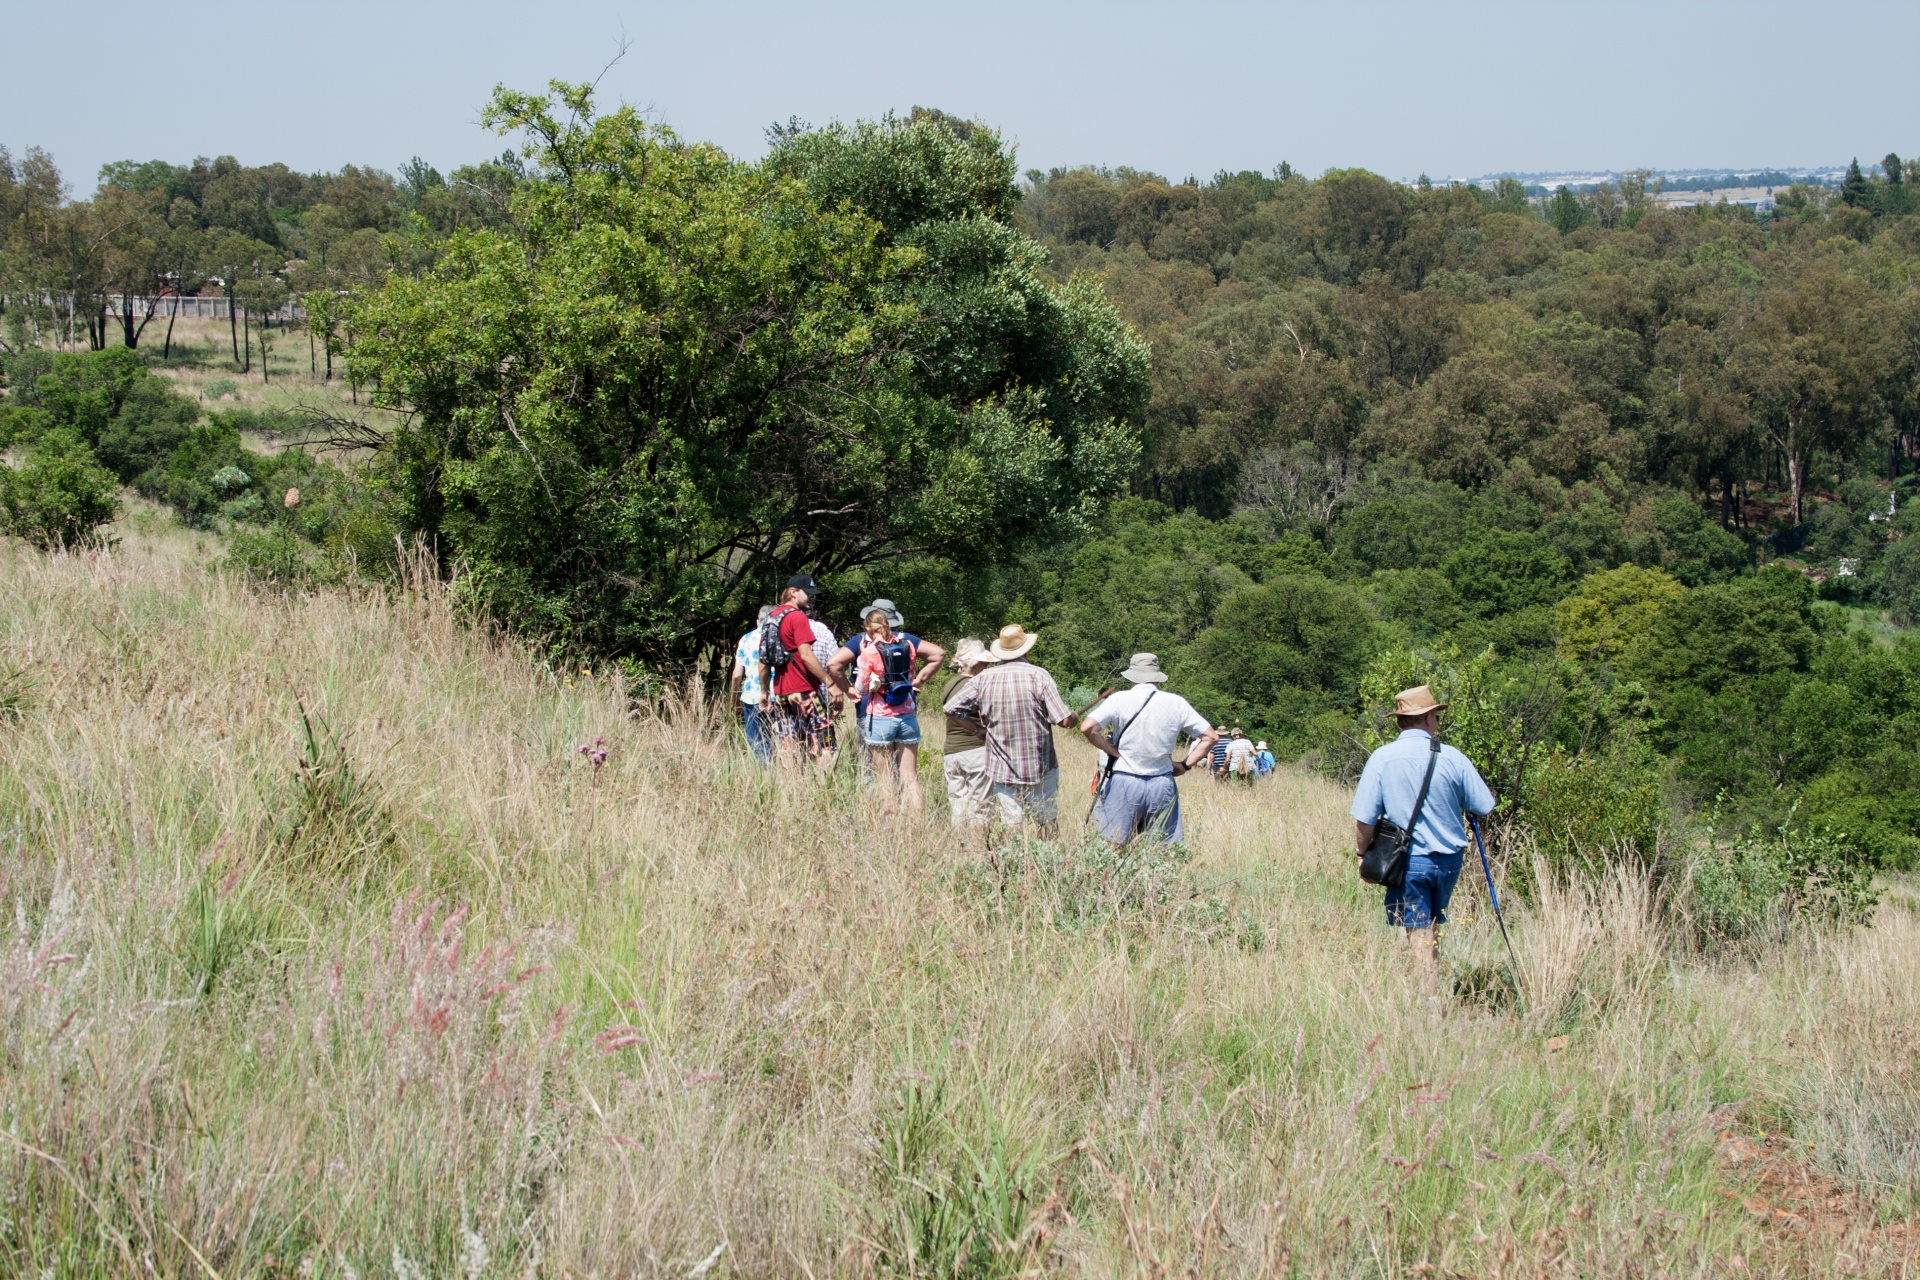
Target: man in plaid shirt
1016	705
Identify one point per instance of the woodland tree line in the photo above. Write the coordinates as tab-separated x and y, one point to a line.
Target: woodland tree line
1630	482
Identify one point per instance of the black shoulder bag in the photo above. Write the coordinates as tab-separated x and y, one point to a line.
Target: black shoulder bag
1385	861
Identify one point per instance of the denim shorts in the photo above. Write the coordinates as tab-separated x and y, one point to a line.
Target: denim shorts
1422	897
891	731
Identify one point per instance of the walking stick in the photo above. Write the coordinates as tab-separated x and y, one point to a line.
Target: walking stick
1494	895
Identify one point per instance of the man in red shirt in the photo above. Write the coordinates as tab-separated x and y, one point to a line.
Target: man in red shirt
802	718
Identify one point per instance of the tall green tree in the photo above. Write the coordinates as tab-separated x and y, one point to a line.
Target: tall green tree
1565	212
1813	364
1855	190
675	378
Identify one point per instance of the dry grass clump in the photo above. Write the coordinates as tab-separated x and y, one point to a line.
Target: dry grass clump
413	986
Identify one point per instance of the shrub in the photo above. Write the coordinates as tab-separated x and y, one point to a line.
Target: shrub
153	420
1281	655
219	389
274	556
1756	884
60	496
1874	803
82	390
1590	809
22	425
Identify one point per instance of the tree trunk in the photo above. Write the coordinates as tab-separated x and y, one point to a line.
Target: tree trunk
246	335
1796	480
313	362
128	334
166	347
232	332
329	355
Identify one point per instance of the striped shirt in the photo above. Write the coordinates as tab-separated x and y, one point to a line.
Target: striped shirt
1017	704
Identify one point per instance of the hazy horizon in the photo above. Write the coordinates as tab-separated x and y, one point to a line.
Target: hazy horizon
1399	88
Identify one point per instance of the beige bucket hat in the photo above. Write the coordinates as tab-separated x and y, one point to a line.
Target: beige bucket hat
1416	701
969	652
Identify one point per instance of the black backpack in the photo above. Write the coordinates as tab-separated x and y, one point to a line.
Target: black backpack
896	671
773	650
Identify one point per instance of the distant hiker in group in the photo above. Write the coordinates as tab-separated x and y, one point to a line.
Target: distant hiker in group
824	647
1262	759
1420	786
1137	730
1217	758
891	668
969	790
751	691
801	712
1240	757
1016	705
849	654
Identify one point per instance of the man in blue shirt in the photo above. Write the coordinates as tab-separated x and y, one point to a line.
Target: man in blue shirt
1389	786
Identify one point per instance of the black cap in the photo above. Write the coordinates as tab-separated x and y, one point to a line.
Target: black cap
803	582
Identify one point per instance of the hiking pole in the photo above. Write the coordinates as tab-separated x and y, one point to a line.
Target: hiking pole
1491	893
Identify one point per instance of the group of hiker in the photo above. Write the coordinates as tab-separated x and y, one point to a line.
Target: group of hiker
794	681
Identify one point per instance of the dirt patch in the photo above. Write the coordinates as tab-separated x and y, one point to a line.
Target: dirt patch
1807	1217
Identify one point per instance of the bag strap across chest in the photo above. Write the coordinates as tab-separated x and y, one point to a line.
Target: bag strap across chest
1433	758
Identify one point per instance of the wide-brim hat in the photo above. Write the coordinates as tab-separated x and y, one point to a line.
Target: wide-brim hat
971	653
1013	642
1145	669
894	617
1416	701
1260	745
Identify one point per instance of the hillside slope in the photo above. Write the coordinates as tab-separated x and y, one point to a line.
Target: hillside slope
414	984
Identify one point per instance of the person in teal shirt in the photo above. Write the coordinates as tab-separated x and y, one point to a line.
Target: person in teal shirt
746	684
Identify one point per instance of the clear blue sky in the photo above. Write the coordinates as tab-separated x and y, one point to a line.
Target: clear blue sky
1446	88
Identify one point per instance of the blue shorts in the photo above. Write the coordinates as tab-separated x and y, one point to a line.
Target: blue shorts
891	731
1423	896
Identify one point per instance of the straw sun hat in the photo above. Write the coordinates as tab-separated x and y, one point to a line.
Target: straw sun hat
1013	642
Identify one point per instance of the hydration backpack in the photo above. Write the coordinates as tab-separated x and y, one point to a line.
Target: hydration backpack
773	650
896	671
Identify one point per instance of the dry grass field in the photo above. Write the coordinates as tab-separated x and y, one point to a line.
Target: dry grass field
330	954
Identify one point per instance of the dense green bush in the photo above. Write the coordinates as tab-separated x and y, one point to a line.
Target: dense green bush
22	424
1590	809
1741	887
1283	655
60	496
152	421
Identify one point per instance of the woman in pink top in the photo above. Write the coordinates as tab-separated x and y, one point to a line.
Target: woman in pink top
886	681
